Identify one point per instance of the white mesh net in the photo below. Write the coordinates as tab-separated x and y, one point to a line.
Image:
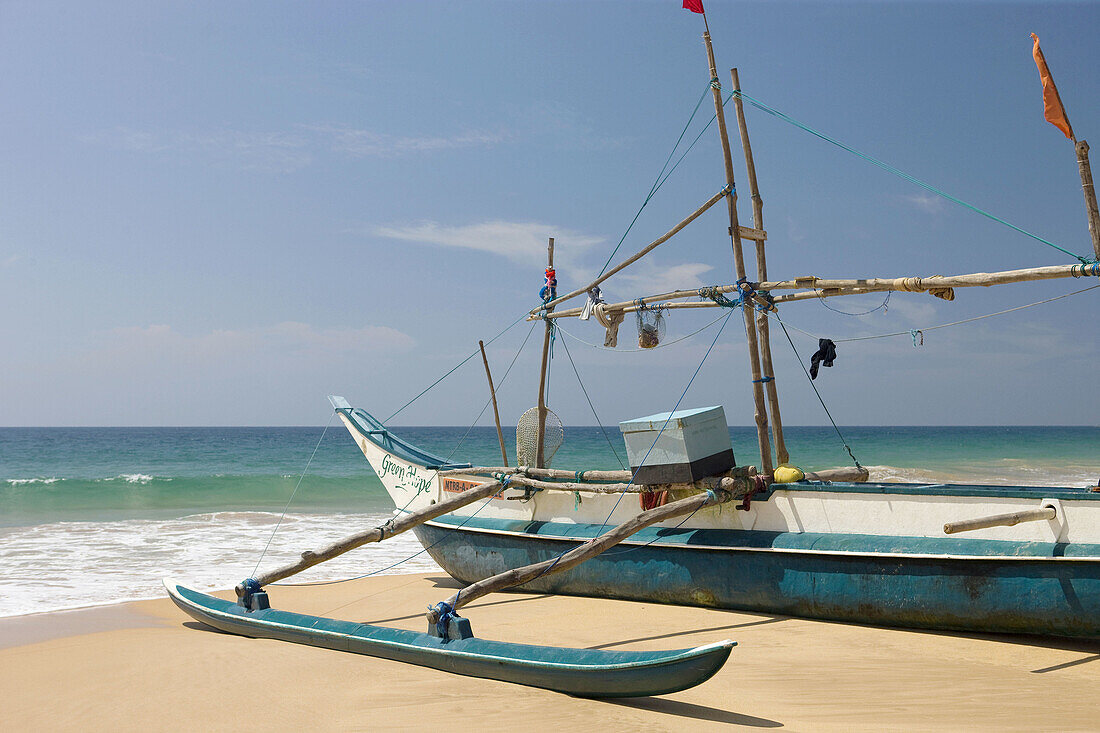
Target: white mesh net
527	437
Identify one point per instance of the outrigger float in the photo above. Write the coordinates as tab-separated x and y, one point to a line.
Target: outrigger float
772	539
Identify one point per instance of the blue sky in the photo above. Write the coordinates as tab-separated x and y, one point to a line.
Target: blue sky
216	214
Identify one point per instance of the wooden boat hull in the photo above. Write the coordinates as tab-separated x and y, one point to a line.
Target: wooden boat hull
579	672
873	553
981	586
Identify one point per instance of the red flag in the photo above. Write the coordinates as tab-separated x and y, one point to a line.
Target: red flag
1052	103
695	6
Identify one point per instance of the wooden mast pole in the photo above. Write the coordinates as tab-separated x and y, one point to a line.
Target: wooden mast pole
781	455
539	459
761	414
493	394
1090	195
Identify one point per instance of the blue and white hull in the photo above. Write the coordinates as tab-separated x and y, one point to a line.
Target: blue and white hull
863	553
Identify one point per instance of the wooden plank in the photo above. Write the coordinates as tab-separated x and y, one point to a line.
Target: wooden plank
758	235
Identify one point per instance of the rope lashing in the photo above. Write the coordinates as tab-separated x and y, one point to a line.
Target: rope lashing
444	612
916	285
715	83
901	174
760	300
764	380
916	332
712	293
760	484
1085	270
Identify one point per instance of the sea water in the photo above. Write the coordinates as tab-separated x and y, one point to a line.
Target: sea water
98	515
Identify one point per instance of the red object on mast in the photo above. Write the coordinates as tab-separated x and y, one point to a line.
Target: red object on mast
1053	109
695	6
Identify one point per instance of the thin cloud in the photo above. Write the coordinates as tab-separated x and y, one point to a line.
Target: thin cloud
284	152
522	242
926	202
260	150
647	278
289	337
367	143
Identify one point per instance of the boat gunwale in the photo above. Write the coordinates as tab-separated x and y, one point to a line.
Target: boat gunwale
666	543
407	451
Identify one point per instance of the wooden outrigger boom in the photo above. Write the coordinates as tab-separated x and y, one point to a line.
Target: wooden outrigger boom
826	288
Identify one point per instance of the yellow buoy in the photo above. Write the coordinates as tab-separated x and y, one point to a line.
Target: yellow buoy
786	474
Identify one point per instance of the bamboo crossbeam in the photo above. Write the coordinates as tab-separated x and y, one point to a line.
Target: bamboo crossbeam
935	282
854	474
591	548
540	473
1001	520
640	254
723	482
560	473
397	525
827	288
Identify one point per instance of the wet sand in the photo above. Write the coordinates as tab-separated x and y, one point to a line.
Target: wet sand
147	666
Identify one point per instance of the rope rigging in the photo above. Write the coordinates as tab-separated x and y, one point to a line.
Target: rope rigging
903	175
662	176
450	455
918	331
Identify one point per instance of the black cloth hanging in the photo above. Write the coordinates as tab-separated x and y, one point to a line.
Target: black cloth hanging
826	352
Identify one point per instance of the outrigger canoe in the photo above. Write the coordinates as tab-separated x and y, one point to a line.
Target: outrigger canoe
579	672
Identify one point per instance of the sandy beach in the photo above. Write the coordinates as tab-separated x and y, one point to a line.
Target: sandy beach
146	666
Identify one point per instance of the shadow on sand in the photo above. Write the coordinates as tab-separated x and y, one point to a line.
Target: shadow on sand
693	711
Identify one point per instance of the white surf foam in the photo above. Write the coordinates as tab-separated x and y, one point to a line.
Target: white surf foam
63	565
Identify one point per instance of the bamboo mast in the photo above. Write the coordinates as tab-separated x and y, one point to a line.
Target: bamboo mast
781	455
1090	195
542	373
493	394
760	410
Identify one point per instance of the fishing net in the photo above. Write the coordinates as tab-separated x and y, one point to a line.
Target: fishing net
527	437
651	326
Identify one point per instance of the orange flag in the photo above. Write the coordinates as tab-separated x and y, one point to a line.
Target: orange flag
1052	103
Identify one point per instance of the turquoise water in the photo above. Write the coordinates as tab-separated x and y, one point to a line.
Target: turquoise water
98	515
105	474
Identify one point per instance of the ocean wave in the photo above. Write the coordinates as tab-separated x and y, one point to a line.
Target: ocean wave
1002	472
63	565
29	481
133	478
